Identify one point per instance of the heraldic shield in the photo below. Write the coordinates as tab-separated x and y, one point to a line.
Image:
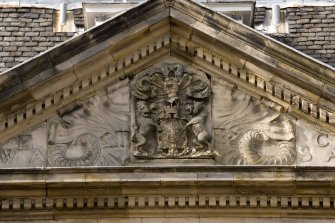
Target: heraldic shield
171	107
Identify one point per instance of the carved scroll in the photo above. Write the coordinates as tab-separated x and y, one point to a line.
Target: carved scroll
93	132
248	132
171	106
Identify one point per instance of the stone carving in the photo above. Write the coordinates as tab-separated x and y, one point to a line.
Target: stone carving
37	157
248	132
28	149
83	151
8	151
202	136
171	106
320	140
93	132
147	125
315	147
304	154
330	155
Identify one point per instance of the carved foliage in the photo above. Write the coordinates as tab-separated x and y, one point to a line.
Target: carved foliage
248	132
171	105
92	132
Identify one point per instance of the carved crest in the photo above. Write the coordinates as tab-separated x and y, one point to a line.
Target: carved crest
171	113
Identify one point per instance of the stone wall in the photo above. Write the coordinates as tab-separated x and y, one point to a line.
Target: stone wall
26	32
311	30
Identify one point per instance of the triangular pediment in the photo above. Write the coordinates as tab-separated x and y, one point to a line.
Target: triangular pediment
244	68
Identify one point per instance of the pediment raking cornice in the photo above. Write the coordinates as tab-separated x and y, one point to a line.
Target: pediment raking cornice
193	37
255	85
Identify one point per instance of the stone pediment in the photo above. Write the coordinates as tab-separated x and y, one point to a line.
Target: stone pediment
168	81
169	109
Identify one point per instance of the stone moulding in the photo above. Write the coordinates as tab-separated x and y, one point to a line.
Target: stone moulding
84	85
294	102
284	96
221	203
223	191
271	90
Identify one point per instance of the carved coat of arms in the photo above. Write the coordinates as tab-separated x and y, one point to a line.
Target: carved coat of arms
171	107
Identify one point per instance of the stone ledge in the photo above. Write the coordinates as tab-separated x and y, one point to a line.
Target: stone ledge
169	173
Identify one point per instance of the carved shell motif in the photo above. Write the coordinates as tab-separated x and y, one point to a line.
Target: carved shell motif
84	151
257	148
248	132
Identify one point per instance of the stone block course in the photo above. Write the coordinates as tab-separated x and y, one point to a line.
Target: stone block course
18	24
23	38
9	38
17	43
8	10
7	59
12	28
10	48
31	43
327	20
5	33
26	20
24	49
23	10
319	16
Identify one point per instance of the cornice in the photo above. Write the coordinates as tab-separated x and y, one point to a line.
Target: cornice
289	101
200	44
294	101
204	205
184	190
86	85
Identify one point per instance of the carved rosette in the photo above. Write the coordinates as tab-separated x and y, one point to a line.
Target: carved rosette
171	107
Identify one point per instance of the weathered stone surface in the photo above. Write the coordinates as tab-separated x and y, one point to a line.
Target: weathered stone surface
93	132
26	150
171	111
248	133
131	98
314	147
